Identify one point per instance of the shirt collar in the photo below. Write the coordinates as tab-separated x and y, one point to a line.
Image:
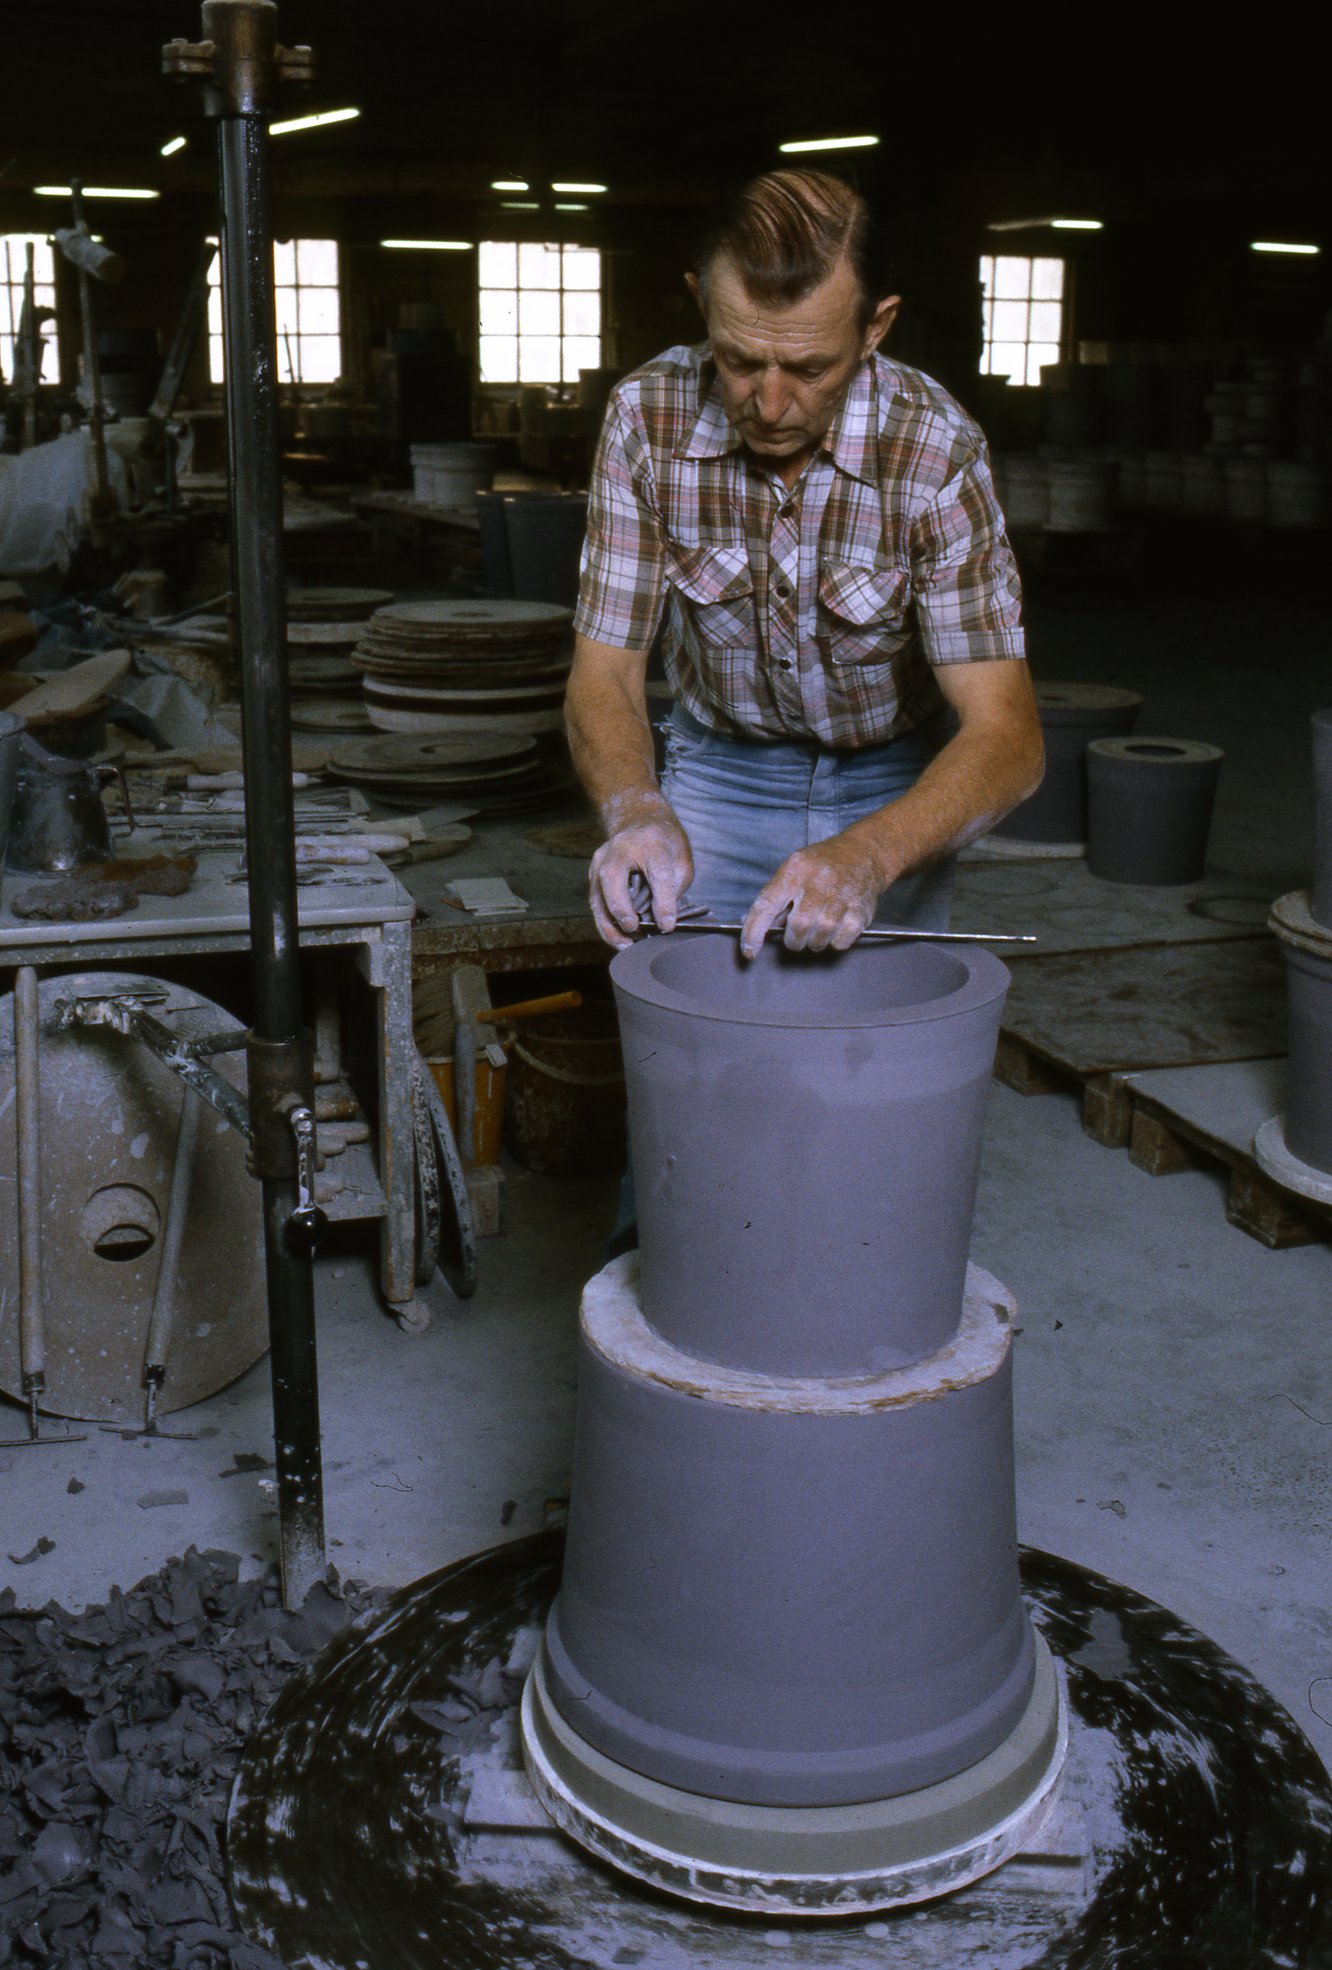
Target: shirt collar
851	439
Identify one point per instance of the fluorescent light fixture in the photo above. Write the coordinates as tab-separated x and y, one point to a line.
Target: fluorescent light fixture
509	185
828	143
520	205
284	129
176	143
1030	225
567	185
97	191
1078	225
564	206
430	245
1282	246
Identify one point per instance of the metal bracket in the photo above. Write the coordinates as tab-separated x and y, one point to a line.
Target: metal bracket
241	62
128	1015
307	1223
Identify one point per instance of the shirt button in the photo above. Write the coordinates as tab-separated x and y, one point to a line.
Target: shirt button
782	590
784	663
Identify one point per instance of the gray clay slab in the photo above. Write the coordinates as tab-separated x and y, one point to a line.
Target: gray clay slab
1166	1006
1069	909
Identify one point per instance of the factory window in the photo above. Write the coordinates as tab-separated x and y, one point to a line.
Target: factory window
13	268
309	322
1023	298
540	312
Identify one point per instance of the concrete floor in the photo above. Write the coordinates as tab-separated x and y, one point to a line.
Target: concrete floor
1174	1392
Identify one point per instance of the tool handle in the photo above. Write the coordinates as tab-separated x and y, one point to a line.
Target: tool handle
530	1008
28	1102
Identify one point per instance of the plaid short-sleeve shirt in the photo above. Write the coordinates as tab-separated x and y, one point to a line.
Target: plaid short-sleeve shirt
810	613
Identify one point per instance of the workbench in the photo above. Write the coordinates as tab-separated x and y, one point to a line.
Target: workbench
363	910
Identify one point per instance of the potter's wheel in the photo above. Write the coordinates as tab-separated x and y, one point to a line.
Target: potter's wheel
381	1822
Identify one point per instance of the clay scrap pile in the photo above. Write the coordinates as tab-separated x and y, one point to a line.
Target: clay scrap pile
465	666
125	1728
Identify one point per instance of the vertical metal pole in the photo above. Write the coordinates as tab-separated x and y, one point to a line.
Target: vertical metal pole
28	1107
92	370
243	63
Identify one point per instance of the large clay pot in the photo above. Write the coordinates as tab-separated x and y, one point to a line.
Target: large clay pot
1072	715
806	1135
1320	901
1149	809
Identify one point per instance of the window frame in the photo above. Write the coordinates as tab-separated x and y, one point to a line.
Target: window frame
572	358
299	336
12	274
1038	347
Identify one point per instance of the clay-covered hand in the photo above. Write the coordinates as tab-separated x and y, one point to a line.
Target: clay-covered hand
644	838
827	895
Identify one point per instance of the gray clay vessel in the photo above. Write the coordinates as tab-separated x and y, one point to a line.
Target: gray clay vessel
806	1135
1309	1102
1320	900
1072	715
789	1597
1149	809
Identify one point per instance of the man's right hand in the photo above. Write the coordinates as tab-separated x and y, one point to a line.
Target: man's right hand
643	838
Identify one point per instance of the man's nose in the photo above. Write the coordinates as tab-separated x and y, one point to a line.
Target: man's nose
771	397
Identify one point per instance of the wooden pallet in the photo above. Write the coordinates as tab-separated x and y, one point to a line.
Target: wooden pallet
1178	1053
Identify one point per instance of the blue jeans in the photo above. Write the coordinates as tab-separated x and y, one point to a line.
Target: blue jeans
746	806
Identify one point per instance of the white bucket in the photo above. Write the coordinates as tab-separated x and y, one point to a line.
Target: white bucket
1082	496
1295	494
452	475
1026	490
1246	490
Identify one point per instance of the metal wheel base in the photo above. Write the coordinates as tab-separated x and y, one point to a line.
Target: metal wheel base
815	1861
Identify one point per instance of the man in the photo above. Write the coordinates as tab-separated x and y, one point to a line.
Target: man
816	527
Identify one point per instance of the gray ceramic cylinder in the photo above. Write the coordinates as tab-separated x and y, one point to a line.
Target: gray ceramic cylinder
794	1592
1072	715
806	1137
1320	900
1149	809
1309	1102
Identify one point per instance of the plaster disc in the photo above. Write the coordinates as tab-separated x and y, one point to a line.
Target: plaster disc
398	718
390	756
305	635
330	715
335	604
109	1116
472	621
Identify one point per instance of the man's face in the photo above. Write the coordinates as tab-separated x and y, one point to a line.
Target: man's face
785	371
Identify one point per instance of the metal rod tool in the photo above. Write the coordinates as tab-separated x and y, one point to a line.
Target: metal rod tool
880	933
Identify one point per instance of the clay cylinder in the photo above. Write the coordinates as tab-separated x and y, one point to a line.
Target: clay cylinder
806	1134
788	1591
1072	715
1320	900
1309	1101
1149	809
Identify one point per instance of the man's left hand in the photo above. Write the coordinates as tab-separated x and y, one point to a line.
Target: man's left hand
827	893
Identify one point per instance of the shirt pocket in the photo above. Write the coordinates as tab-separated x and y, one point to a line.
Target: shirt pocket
862	612
718	593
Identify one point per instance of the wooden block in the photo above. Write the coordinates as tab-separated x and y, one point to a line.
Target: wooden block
1107	1110
1267	1212
1022	1070
485	1187
1157	1149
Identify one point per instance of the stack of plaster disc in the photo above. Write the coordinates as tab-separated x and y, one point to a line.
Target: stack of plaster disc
470	666
500	772
323	628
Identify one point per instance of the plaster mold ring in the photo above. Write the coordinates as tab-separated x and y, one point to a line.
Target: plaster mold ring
1053	820
1291	1172
817	1861
798	1594
806	1138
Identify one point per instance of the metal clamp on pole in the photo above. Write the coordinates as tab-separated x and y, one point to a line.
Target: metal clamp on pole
307	1223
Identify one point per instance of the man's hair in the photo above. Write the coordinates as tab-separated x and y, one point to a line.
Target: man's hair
785	232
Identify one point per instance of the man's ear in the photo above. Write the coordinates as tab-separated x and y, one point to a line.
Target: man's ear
691	282
879	323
